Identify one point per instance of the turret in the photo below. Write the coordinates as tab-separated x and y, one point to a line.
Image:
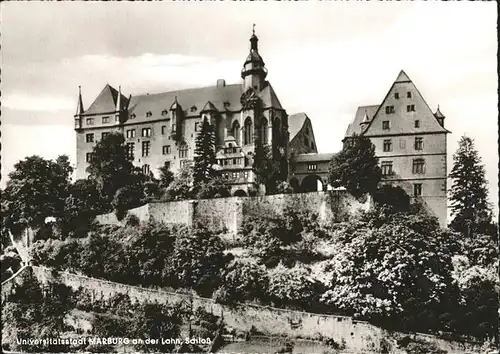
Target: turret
254	72
440	117
79	110
364	123
176	112
118	107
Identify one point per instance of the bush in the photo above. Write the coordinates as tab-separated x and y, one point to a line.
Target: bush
127	197
132	220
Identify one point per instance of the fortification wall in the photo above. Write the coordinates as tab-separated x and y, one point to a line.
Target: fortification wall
358	335
228	213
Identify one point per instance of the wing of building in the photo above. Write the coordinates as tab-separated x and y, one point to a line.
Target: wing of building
410	142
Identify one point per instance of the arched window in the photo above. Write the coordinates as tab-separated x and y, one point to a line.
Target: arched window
183	150
236	132
277	132
248	131
263	130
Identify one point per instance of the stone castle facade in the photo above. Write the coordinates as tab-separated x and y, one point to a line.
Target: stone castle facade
161	129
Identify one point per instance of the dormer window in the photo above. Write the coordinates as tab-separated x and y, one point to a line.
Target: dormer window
164	112
194	109
227	104
132	116
148	114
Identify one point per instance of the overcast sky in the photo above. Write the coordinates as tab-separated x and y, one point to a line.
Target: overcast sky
324	58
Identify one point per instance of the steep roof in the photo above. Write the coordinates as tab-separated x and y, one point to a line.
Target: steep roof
295	123
438	114
314	157
402	77
355	127
106	101
191	100
269	97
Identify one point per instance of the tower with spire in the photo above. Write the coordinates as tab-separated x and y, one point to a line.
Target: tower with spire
254	71
79	110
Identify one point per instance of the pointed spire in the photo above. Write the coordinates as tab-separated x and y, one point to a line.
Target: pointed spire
175	105
119	99
79	107
438	113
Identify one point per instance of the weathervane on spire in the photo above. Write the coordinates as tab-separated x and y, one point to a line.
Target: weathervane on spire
253	28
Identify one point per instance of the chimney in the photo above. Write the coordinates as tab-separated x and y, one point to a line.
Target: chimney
221	83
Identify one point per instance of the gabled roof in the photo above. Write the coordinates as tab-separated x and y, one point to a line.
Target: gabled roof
192	100
209	107
355	127
402	77
106	101
313	157
269	98
295	123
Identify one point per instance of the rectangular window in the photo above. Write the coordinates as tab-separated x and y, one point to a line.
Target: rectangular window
402	143
417	189
183	153
146	146
89	156
104	135
410	108
163	129
131	133
145	170
385	125
386	168
396	95
90	121
186	163
387	145
312	167
245	174
146	132
417	123
89	138
389	109
196	126
418	166
419	143
166	150
130	150
408	94
105	120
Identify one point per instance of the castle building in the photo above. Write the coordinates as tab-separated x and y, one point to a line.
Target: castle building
161	128
410	143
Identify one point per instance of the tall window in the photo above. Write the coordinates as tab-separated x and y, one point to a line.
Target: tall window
166	150
236	132
130	150
387	145
89	138
163	129
408	94
183	150
419	143
89	156
418	166
385	125
396	95
417	123
146	147
130	133
263	130
387	168
417	189
248	131
146	170
146	132
196	126
312	167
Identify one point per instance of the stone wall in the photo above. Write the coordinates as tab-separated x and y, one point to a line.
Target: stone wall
228	213
358	335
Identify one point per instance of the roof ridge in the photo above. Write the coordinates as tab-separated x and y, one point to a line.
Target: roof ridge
184	90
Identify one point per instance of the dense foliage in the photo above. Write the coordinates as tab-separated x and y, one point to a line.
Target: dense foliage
469	194
356	167
204	153
267	169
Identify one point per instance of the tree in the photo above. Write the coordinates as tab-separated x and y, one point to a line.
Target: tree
36	189
356	167
216	187
204	154
166	176
127	197
111	166
266	168
469	194
182	186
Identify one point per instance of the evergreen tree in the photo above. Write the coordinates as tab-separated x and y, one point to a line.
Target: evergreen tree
356	167
204	157
469	194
